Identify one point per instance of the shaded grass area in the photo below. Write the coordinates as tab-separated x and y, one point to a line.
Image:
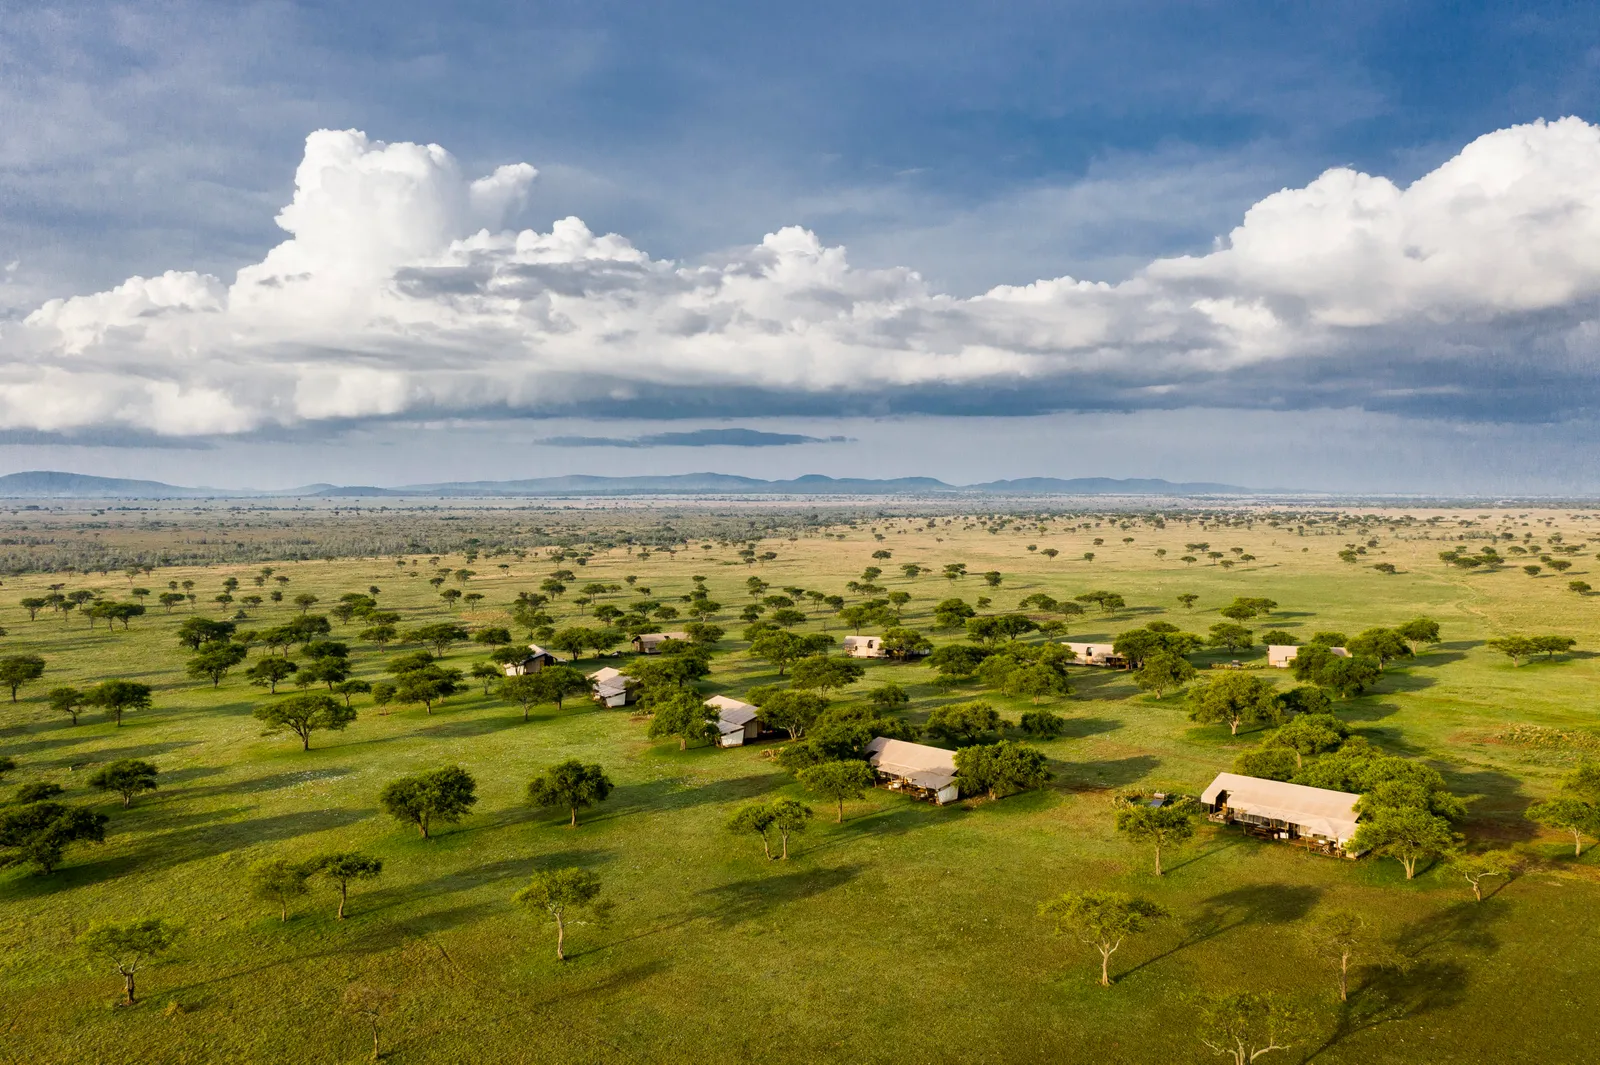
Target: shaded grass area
905	934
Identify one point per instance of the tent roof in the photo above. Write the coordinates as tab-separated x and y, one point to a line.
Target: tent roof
924	766
1326	813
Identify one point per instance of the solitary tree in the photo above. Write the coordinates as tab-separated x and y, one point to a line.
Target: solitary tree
371	1004
1245	1025
127	777
838	781
279	881
1102	919
561	893
342	868
117	697
442	796
40	832
128	947
1170	825
572	785
1339	937
17	670
304	714
1475	868
1569	814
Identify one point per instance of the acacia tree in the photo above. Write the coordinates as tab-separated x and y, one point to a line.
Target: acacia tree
1169	825
756	817
371	1004
1162	672
442	796
17	670
1246	1025
1475	868
788	817
214	661
279	881
117	697
682	716
68	701
270	671
1408	834
793	711
130	946
127	777
1102	919
40	832
1309	734
1419	631
1234	697
838	781
1339	937
342	868
304	714
570	784
1001	769
561	893
1568	814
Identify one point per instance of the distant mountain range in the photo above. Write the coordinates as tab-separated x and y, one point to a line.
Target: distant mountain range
46	484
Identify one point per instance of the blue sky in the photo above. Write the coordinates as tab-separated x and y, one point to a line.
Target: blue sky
977	145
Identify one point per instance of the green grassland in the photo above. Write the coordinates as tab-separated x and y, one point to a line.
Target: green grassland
906	934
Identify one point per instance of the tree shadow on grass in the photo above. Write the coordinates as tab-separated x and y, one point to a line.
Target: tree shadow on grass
671	793
471	726
1225	844
1434	659
757	897
112	754
1385	995
905	816
1093	776
165	850
1225	912
255	785
1078	728
1501	808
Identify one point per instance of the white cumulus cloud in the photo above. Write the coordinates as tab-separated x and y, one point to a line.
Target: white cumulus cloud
399	291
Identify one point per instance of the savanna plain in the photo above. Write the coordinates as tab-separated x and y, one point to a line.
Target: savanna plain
908	932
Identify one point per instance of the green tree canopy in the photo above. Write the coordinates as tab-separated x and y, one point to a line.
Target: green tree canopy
561	894
1168	826
342	868
838	781
1102	919
304	714
40	832
441	796
117	697
129	947
572	785
1233	698
1001	769
17	670
127	777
